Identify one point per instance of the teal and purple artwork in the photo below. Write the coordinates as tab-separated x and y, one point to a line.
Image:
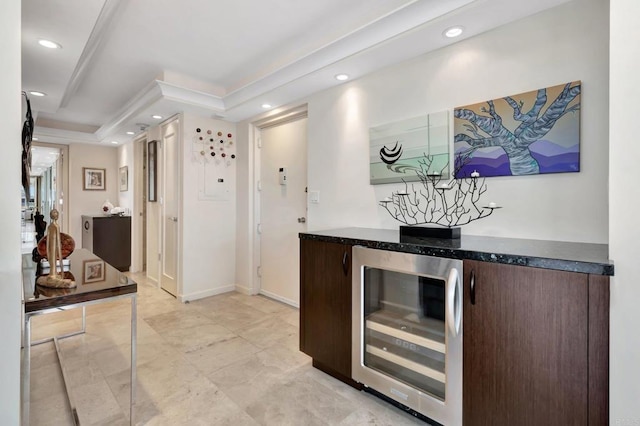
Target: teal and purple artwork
531	133
397	150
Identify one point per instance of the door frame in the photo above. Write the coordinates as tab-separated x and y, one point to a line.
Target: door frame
162	161
61	192
255	136
138	223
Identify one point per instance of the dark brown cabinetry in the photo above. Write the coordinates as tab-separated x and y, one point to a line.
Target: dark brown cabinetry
535	346
108	237
325	306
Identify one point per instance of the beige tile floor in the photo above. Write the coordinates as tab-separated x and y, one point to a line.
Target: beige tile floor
231	359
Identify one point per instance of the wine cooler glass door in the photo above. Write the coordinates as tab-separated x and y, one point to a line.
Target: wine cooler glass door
404	328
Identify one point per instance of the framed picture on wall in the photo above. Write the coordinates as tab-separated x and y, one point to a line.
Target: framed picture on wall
152	162
124	178
94	179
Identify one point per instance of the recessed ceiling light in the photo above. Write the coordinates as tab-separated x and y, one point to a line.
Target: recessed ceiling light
453	31
342	77
266	106
114	142
49	44
131	133
36	93
157	117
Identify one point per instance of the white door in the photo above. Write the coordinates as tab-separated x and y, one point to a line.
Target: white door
170	206
283	208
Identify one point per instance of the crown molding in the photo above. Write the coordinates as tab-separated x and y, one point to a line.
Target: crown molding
155	92
98	35
136	105
195	98
63	137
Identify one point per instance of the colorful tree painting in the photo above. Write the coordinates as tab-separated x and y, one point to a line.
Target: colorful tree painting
530	133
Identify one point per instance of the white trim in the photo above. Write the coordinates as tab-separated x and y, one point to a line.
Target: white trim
279	298
255	128
244	290
137	231
209	102
98	35
151	94
206	293
289	115
154	93
63	137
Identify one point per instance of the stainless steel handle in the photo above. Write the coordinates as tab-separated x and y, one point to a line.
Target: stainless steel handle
173	219
454	302
302	219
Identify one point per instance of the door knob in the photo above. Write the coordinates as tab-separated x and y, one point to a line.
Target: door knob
302	220
173	219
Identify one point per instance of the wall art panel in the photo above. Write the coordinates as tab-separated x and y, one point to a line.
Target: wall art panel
396	149
531	133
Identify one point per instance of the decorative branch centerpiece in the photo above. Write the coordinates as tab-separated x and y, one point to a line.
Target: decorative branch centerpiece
439	201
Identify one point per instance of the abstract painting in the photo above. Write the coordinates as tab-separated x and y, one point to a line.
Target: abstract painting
396	149
531	133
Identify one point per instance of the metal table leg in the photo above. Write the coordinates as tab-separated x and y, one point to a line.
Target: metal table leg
26	369
134	335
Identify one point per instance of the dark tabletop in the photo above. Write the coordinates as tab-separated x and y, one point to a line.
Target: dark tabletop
95	279
564	256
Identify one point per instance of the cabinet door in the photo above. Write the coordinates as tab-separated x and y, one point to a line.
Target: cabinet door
525	346
325	304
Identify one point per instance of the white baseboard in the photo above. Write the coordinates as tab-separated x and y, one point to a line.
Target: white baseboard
280	298
244	290
207	293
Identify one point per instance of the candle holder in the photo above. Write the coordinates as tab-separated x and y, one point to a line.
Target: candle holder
448	204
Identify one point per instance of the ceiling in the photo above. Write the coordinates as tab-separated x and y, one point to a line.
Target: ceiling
123	61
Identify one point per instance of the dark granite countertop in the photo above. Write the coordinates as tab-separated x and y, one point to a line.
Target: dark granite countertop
563	256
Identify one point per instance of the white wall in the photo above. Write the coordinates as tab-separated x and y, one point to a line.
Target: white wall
557	46
90	202
245	267
126	198
10	172
566	43
208	226
624	231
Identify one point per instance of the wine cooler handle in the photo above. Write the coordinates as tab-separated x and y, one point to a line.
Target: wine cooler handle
472	288
345	263
454	302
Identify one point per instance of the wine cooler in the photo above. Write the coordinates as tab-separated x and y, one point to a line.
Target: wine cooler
407	330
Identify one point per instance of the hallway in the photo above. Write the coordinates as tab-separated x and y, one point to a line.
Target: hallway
230	359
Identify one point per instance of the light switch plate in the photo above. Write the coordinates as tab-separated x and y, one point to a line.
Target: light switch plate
314	197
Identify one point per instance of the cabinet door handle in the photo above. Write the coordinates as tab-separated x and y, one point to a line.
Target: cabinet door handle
472	288
345	263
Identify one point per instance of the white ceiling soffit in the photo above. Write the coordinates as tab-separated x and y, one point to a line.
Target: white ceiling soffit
408	31
398	22
72	30
476	17
161	96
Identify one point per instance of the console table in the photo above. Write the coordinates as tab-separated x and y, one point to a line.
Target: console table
97	282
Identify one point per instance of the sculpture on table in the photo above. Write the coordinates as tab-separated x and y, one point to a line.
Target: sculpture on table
54	255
